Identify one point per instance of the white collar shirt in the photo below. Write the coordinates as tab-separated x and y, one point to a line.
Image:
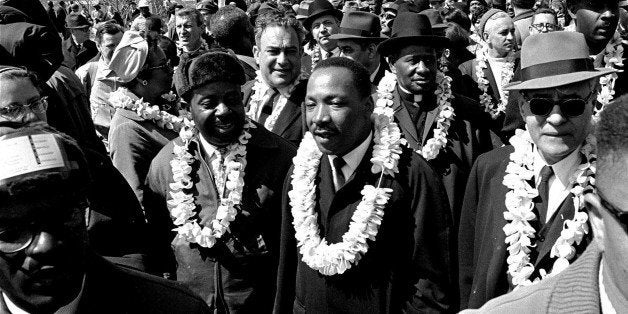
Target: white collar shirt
352	160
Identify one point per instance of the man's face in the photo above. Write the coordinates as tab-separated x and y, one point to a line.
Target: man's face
18	93
205	16
323	27
218	112
352	50
386	20
475	6
108	45
80	35
188	32
557	135
48	273
500	36
597	20
540	24
416	69
336	115
279	56
158	77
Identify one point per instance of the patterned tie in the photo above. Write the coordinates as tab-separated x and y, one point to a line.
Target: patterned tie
267	107
339	162
546	174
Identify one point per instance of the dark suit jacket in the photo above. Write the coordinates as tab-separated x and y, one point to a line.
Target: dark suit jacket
73	57
291	122
238	274
381	71
482	249
468	137
407	267
112	289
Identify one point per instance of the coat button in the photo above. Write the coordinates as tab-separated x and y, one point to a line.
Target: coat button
541	238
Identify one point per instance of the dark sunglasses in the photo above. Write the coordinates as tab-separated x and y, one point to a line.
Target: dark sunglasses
621	215
570	107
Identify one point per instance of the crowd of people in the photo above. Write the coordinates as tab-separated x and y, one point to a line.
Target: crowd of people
314	157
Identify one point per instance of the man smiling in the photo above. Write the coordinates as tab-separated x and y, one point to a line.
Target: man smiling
217	186
190	31
519	197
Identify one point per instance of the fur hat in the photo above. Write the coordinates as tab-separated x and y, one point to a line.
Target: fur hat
207	68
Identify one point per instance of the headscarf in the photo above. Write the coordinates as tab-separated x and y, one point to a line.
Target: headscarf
129	57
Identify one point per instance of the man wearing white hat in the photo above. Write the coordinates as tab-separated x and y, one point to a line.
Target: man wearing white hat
522	216
140	21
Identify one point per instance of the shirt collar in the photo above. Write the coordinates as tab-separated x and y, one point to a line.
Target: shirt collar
68	308
210	149
374	74
563	169
354	157
334	52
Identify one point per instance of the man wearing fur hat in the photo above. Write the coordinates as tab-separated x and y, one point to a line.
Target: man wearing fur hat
213	194
522	217
323	21
446	129
494	66
274	97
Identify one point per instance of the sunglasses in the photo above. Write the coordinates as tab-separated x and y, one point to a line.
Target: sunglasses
570	107
621	215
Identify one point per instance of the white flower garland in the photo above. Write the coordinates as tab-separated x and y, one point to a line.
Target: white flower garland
331	259
259	90
446	114
182	207
611	58
121	98
519	205
506	75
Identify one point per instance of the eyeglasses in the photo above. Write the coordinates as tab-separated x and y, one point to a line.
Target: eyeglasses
570	107
550	27
19	111
621	215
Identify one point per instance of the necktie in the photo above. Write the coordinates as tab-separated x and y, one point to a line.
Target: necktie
267	106
546	174
339	162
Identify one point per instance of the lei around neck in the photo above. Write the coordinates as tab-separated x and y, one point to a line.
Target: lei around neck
494	110
259	91
182	206
336	258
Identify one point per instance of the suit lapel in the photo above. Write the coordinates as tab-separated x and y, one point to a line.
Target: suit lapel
488	73
429	121
551	230
291	112
405	122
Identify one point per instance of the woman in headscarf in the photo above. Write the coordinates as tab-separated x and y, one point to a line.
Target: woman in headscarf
143	121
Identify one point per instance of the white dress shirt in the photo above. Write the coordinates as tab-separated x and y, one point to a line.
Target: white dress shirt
215	159
335	52
559	184
497	67
352	160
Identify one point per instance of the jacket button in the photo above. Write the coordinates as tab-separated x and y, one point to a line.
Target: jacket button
541	238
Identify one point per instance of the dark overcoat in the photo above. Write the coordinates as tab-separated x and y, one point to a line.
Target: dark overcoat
407	267
238	274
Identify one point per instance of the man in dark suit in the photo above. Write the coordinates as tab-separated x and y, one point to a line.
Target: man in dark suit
357	40
519	197
323	21
46	264
401	261
422	116
274	97
78	48
226	203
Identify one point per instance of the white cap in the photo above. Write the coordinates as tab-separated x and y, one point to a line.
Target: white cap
143	3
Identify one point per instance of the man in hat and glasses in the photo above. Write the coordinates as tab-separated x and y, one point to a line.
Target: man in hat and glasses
448	130
338	253
358	39
523	216
388	15
274	97
78	48
323	21
213	196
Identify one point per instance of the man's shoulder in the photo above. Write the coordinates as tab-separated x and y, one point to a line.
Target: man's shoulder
495	157
262	138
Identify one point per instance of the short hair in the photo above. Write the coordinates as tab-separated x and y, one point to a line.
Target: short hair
14	73
154	23
475	18
277	19
611	132
106	28
361	76
523	4
229	26
190	12
545	11
457	35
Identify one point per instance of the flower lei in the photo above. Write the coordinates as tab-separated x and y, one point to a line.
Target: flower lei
259	90
336	258
182	207
120	99
316	56
612	58
446	115
519	205
507	73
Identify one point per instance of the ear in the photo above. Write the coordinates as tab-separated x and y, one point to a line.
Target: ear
594	208
256	54
485	36
522	102
372	50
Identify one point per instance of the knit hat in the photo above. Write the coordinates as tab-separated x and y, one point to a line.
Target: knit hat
485	19
207	68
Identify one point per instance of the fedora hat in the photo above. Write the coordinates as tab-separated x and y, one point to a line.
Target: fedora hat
359	25
320	8
302	10
75	20
565	60
411	29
